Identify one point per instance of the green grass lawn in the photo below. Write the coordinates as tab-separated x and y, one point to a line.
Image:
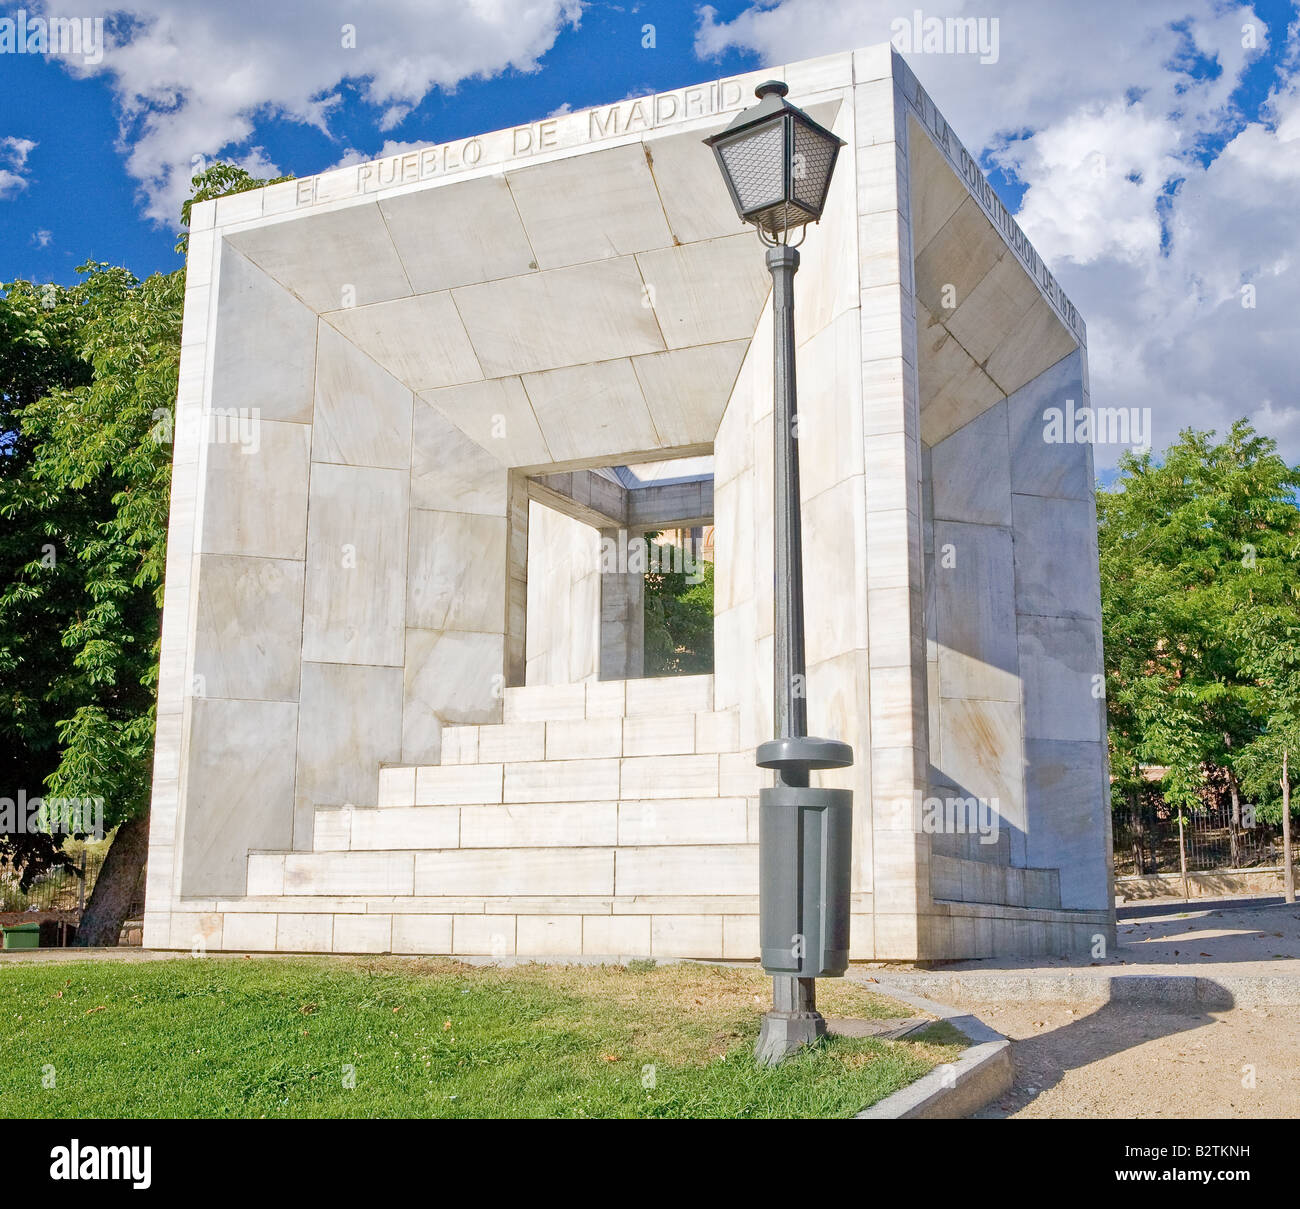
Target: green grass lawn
283	1037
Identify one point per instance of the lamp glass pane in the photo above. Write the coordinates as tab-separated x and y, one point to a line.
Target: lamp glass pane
814	157
755	162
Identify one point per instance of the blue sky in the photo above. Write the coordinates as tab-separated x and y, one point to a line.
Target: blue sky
81	192
1150	151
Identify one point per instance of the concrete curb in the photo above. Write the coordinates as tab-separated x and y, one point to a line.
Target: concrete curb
983	1072
1190	990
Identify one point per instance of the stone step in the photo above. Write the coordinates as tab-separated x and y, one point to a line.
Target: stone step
972	847
606	778
726	869
953	879
658	695
592	738
641	823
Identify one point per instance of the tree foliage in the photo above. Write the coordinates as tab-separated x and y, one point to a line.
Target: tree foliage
678	617
39	332
1200	611
89	510
88	379
1272	655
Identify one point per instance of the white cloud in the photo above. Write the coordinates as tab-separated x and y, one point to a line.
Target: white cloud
1052	61
1095	178
193	79
16	150
1104	114
13	162
42	238
1174	331
394	115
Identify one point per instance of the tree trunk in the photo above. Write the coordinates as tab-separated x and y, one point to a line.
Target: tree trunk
1135	819
1182	856
1234	841
110	900
1288	870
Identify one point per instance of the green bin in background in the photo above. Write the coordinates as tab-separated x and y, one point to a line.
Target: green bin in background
22	936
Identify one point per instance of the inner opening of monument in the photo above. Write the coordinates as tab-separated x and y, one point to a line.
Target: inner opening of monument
620	572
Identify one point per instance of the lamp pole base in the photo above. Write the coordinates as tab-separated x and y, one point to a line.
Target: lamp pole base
793	1022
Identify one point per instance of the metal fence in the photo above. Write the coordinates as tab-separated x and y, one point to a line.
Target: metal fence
1146	838
60	889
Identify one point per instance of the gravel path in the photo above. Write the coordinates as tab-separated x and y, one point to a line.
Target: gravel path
1129	1060
1134	1060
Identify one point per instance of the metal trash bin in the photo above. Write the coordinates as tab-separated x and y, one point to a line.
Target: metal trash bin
805	856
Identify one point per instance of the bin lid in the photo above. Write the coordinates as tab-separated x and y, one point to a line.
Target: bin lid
804	752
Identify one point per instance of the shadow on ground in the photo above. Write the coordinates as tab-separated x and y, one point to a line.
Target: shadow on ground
1091	1037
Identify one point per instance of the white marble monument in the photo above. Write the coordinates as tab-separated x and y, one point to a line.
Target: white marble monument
401	707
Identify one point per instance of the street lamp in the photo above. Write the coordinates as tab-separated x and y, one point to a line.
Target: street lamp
777	163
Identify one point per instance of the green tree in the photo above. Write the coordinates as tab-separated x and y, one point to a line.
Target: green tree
1272	641
96	487
1191	548
678	615
88	450
39	333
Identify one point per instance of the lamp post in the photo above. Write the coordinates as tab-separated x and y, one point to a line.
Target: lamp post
777	163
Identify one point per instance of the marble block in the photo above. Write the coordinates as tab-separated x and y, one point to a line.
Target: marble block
971	471
579	315
456	571
450	677
420	340
264	357
451	472
241	777
1053	538
344	258
356	566
351	722
249	630
1040	466
363	412
601	205
473	234
256	498
975	612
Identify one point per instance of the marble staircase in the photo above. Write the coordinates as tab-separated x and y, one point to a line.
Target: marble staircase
595	801
639	783
605	819
599	820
